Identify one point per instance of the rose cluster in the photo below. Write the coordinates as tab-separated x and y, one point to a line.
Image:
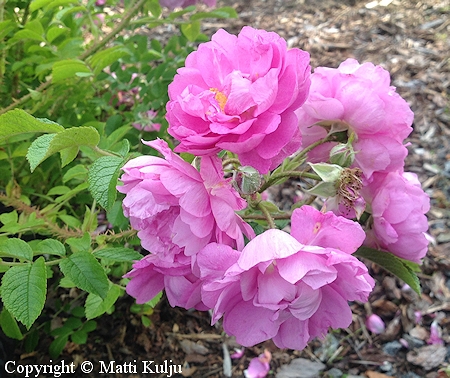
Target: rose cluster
250	96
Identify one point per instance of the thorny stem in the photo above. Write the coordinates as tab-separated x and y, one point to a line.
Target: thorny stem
63	233
53	228
122	25
230	161
267	216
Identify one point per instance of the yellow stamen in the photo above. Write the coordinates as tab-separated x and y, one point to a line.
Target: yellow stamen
220	98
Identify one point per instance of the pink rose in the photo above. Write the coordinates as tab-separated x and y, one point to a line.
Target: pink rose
176	208
358	98
152	274
398	206
172	4
240	94
282	289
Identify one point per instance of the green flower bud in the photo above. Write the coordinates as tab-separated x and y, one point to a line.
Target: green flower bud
342	155
247	180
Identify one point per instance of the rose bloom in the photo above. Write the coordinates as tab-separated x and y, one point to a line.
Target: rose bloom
172	4
239	94
282	289
153	274
176	208
357	98
398	206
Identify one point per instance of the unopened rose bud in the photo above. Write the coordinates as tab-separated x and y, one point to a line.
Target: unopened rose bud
248	180
342	154
375	324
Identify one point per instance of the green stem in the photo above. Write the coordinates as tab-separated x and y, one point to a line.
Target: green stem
104	153
287	174
302	154
286	215
267	215
121	235
230	161
122	25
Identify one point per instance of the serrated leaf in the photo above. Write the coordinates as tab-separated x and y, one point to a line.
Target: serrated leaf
37	4
68	155
96	306
23	291
17	121
55	31
11	217
79	337
77	172
51	247
191	30
80	244
155	8
9	325
402	269
16	248
83	269
57	346
118	254
224	12
105	58
28	34
65	69
103	176
48	144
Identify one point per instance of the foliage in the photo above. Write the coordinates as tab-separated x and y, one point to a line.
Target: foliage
81	85
75	77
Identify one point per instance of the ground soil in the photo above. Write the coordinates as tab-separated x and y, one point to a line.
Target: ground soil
411	40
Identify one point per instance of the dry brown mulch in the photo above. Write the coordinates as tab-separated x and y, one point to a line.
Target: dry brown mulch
411	40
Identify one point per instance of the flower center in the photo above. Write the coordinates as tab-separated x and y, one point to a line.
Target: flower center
350	184
220	97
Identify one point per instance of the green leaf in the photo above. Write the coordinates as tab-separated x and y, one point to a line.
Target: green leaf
154	8
79	337
5	28
17	121
85	271
57	346
80	244
105	58
68	155
27	34
55	31
191	30
78	172
96	306
24	289
51	247
103	177
11	217
9	325
224	12
37	4
68	68
118	254
48	144
403	269
16	248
